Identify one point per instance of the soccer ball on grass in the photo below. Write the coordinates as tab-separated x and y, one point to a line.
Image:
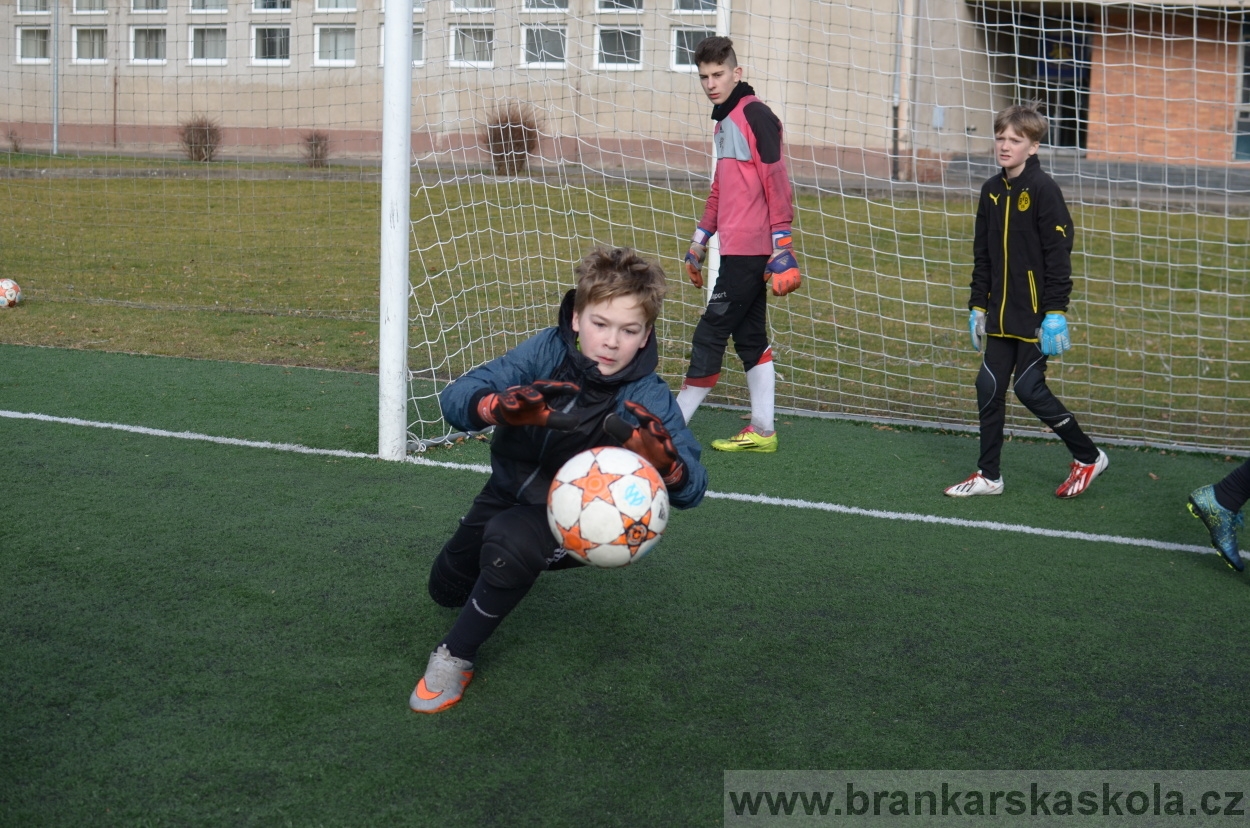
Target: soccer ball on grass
607	506
10	293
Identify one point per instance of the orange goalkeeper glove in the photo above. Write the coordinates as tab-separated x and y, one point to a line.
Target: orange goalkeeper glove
651	440
526	405
782	268
695	256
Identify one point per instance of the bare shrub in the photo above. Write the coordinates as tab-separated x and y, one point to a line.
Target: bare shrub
511	136
316	148
15	141
201	138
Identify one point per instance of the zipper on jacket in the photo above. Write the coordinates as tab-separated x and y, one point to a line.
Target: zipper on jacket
1002	307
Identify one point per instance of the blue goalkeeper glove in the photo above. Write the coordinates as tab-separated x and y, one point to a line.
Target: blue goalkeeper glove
976	328
782	270
1054	334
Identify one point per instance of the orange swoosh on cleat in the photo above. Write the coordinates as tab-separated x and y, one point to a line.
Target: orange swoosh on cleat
424	692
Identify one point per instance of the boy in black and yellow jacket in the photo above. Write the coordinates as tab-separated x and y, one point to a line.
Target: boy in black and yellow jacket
1021	281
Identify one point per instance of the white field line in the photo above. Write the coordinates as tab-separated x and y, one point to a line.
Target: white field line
765	500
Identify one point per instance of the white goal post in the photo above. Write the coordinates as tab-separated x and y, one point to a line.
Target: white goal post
542	127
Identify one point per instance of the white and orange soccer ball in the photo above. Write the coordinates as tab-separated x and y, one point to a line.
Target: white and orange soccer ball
10	293
607	506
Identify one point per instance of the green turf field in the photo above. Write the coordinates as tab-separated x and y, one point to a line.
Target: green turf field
194	633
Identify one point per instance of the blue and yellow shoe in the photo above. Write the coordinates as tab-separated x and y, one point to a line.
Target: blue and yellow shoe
1220	522
748	440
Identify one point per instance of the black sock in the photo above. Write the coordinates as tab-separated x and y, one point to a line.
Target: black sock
1234	490
483	612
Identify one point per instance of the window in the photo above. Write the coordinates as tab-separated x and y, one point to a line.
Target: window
685	41
472	5
546	5
336	5
89	45
271	5
544	45
149	5
147	45
208	5
34	45
335	46
89	6
695	6
620	5
618	49
1241	137
33	6
472	46
208	45
418	45
272	44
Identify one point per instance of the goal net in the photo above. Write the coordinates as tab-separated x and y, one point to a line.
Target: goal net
544	127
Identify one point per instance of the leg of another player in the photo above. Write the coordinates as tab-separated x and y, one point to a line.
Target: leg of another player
517	547
750	336
1219	507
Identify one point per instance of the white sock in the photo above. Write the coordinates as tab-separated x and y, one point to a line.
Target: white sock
689	398
762	383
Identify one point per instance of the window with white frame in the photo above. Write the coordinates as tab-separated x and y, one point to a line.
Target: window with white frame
418	5
544	46
208	5
34	6
336	5
473	5
90	44
334	46
418	45
149	5
34	44
685	41
147	45
620	5
208	45
472	46
271	45
90	7
547	5
271	5
618	48
704	6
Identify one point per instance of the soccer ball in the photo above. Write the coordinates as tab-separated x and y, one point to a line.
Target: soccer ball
607	506
10	293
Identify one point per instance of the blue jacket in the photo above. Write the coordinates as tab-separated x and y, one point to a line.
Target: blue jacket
525	459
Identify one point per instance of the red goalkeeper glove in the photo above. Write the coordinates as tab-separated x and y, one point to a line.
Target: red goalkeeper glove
526	405
782	268
695	256
650	440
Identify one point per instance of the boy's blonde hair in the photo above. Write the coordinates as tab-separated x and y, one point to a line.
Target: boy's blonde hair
1024	119
603	274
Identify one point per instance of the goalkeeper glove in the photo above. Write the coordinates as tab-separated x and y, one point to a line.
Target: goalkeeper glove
976	328
651	440
782	268
1054	334
526	405
695	255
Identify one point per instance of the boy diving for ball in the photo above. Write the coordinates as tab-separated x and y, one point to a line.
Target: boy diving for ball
589	381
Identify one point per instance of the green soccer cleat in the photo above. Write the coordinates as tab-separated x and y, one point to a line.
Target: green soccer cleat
443	683
748	440
1220	522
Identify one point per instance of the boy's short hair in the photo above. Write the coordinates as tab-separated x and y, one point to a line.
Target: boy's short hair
715	50
603	274
1024	119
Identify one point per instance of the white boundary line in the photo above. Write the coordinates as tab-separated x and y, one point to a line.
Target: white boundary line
785	502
